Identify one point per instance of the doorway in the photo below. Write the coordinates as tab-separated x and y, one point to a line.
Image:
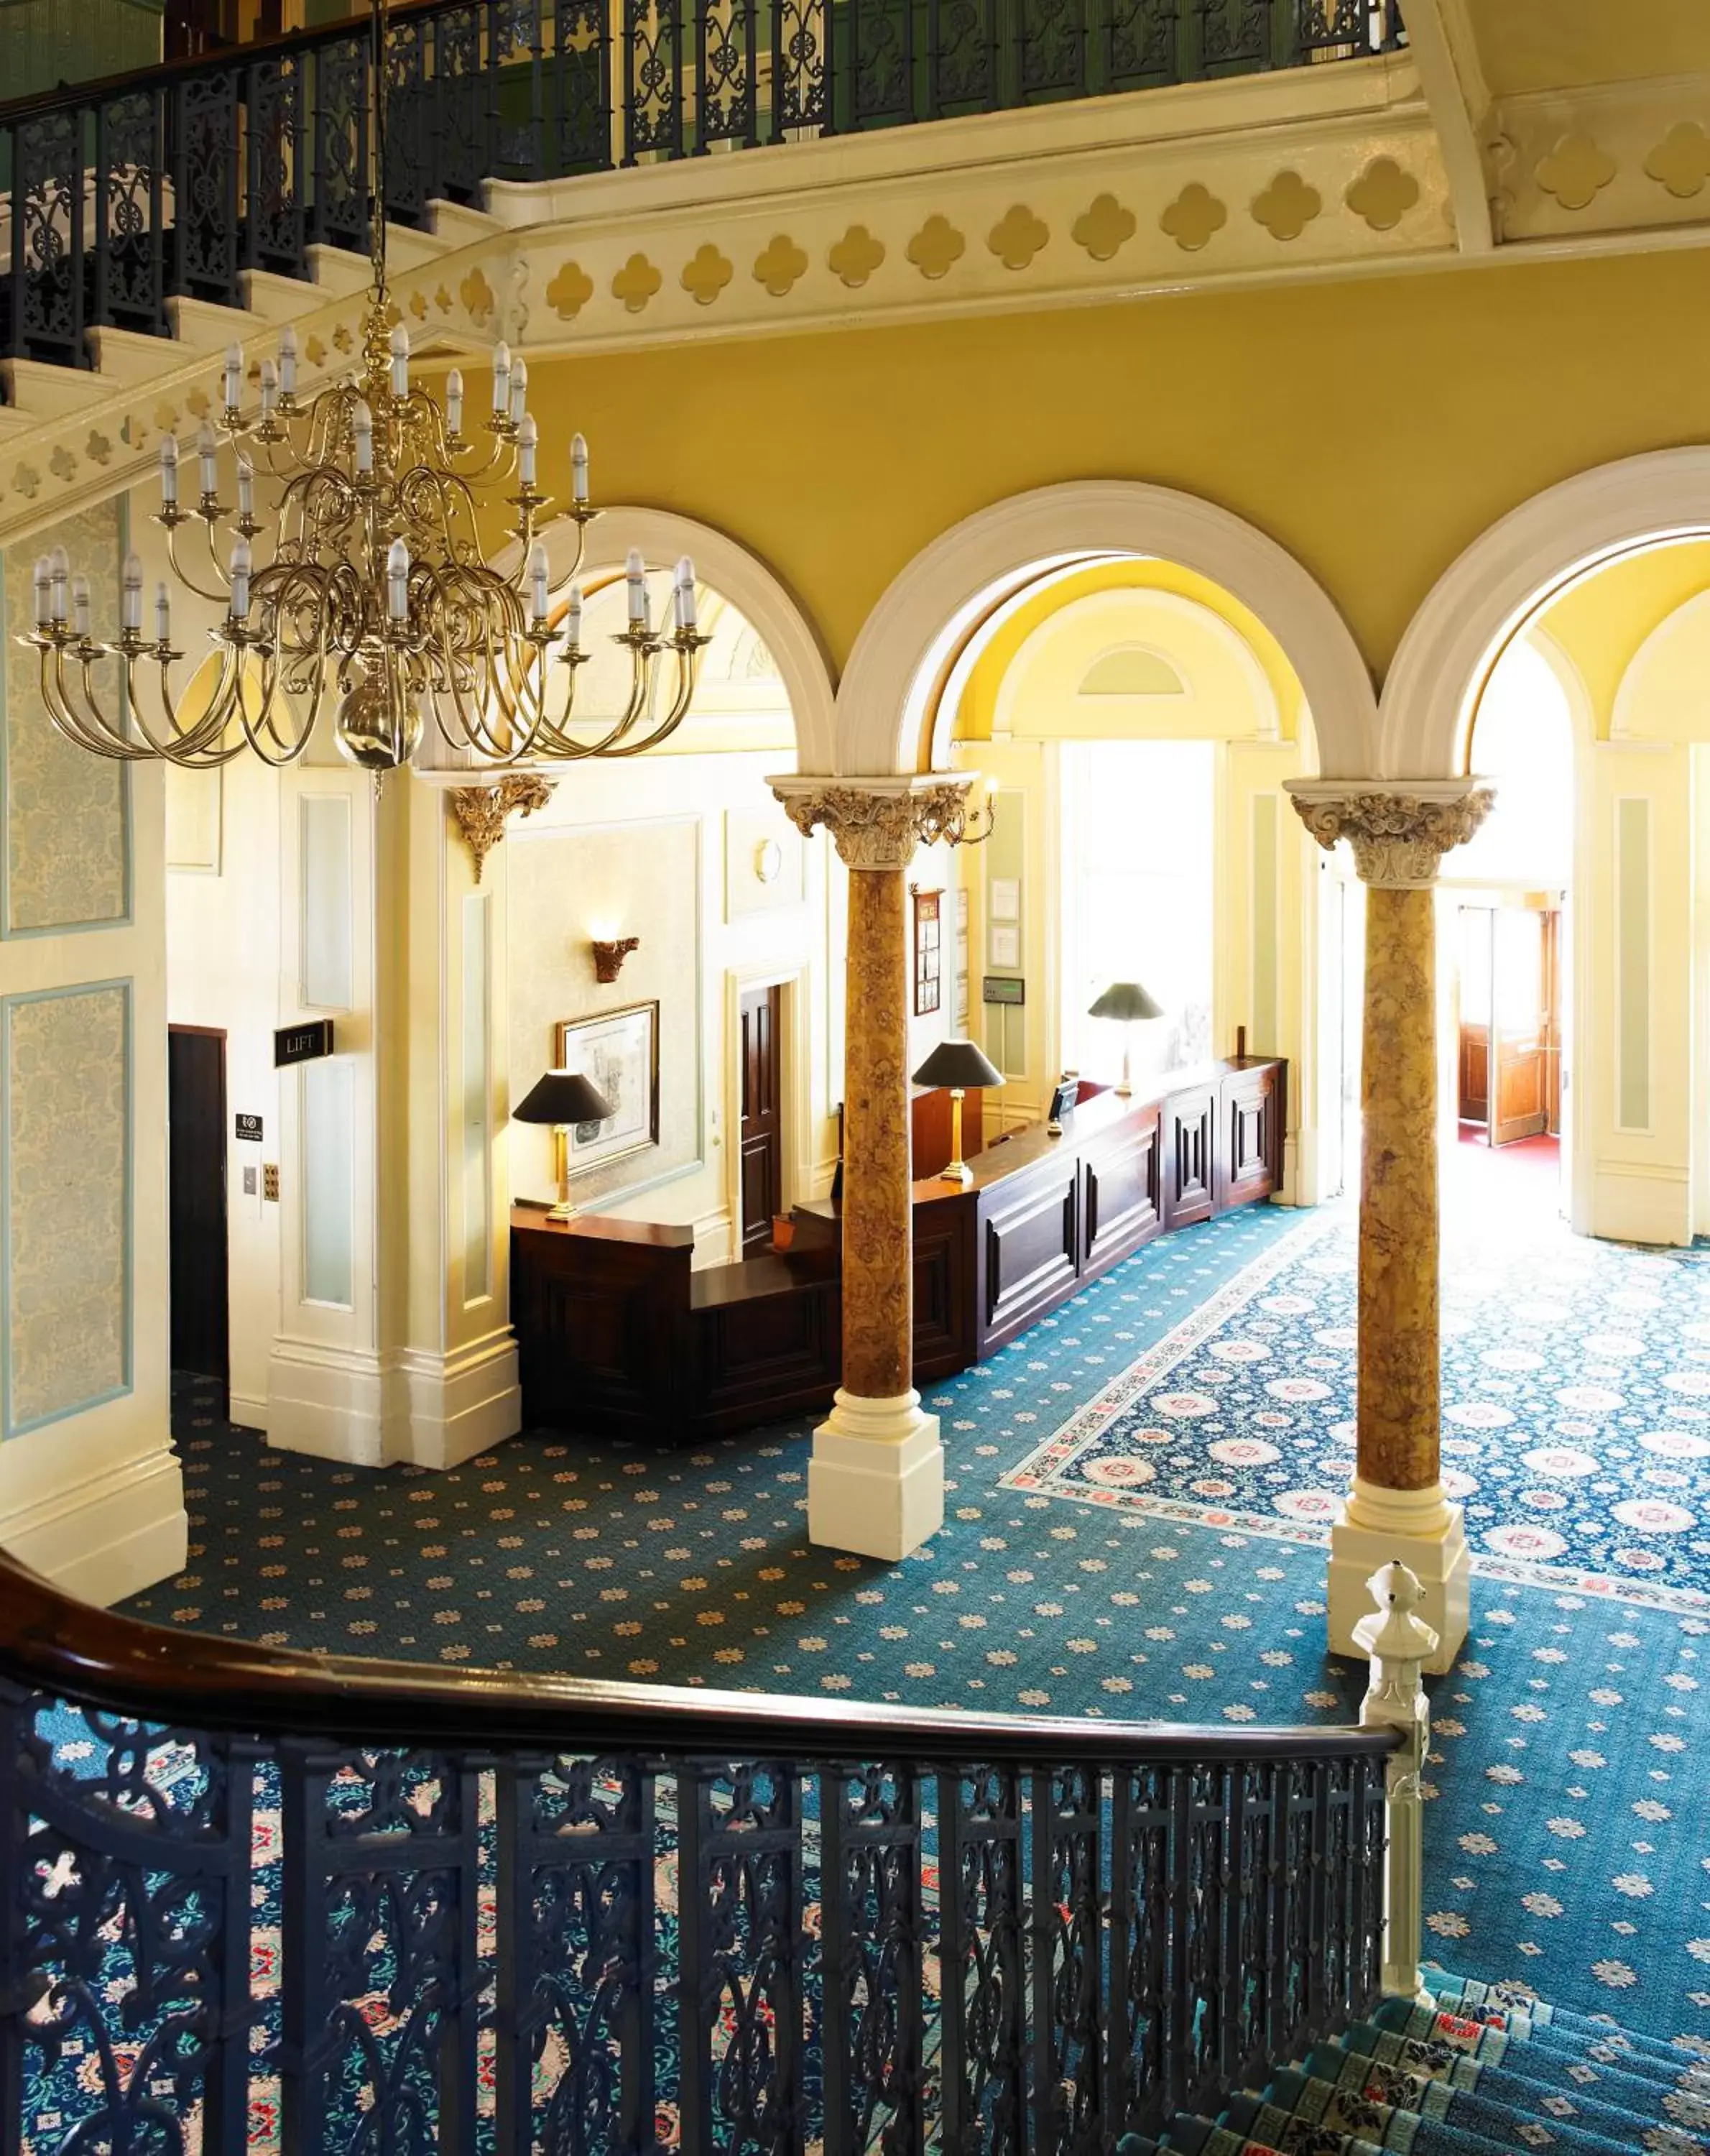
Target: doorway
195	1116
1509	1045
759	1014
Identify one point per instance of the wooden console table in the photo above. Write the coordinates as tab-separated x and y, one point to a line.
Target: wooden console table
616	1332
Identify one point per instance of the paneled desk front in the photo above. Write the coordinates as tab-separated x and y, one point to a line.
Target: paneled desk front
616	1332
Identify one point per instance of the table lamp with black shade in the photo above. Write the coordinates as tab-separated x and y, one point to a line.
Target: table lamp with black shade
1128	1003
958	1064
562	1098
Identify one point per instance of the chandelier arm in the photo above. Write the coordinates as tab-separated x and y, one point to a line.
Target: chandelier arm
254	728
561	589
473	725
91	720
65	721
213	599
681	701
200	739
219	568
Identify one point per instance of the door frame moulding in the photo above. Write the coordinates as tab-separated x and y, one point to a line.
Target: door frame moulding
893	714
1487	597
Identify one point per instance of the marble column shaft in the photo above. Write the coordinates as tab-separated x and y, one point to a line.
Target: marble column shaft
1399	838
1400	1387
878	1274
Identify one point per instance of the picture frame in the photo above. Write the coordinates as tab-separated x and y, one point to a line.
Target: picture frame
928	952
618	1051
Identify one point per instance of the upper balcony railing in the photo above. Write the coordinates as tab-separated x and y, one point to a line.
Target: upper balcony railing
254	1899
120	195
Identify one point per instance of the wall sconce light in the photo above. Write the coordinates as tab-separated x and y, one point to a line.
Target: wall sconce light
609	955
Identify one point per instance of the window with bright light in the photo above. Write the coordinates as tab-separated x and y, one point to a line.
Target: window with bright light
1523	741
1137	877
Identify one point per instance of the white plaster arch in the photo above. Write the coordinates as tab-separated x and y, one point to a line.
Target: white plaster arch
947	599
725	566
1688	625
1487	594
1094	608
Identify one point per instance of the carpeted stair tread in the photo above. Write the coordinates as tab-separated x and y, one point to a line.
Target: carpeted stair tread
1558	2026
1519	2081
1485	2109
1309	2117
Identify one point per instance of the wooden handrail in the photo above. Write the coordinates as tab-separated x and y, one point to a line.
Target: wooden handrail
259	50
97	1658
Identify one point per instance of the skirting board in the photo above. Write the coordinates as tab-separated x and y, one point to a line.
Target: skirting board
1642	1206
246	1412
405	1405
108	1536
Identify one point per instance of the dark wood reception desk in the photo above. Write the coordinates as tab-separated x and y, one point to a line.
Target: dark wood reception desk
616	1331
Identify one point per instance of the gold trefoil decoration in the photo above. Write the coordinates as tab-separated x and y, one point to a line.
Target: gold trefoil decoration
374	595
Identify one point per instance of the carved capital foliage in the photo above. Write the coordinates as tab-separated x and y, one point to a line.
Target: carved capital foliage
879	827
480	812
1399	840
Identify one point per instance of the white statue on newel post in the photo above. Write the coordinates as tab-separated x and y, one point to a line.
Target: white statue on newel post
1399	1643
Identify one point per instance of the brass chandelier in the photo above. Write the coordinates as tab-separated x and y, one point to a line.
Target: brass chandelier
376	592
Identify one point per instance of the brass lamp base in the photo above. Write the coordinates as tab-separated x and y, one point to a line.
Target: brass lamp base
564	1210
958	1171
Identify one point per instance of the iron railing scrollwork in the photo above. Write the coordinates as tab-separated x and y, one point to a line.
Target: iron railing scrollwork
259	1900
125	194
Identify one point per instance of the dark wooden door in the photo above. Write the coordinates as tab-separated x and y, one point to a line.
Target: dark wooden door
196	1093
761	1139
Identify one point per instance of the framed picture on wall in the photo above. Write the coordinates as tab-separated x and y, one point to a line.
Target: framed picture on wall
928	952
618	1051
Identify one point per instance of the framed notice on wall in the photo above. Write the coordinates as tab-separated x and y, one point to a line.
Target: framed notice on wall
928	952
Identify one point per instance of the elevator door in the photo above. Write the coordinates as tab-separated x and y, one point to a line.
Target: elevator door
196	1088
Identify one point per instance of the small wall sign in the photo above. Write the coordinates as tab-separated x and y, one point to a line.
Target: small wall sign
302	1044
998	989
247	1129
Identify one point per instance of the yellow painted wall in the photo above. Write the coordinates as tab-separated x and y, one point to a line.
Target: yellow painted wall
1551	44
1601	623
974	714
1375	427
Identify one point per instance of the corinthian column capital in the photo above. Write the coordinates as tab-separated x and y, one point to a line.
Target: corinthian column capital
878	822
1400	829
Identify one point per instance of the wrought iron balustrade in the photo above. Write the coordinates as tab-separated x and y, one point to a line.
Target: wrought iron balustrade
122	194
258	1899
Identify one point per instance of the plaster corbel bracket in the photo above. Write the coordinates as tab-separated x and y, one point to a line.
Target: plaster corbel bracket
480	812
1445	50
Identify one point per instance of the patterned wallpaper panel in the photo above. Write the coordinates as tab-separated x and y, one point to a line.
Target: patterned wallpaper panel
64	1211
66	834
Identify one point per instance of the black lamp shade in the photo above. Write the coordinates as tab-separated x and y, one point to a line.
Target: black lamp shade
563	1097
1126	1000
958	1063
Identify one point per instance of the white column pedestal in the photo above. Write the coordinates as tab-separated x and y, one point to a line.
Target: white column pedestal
875	1484
1420	1529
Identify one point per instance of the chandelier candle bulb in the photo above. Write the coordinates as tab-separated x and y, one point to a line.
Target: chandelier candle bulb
163	614
684	593
518	392
636	577
234	376
397	581
44	590
130	607
246	487
454	403
362	428
528	437
242	563
579	471
501	382
288	362
79	605
573	618
400	362
269	389
207	457
60	569
538	578
169	472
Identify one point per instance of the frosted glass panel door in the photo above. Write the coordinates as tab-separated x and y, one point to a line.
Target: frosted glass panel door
476	1116
328	1182
326	964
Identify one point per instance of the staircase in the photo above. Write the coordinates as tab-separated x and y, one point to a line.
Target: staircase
1471	2070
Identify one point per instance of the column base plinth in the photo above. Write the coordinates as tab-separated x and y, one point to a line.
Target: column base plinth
1425	1532
875	1484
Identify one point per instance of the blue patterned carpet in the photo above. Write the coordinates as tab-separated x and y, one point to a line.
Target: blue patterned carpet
1563	1843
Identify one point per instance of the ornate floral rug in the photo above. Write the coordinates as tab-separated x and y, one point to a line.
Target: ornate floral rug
1576	1408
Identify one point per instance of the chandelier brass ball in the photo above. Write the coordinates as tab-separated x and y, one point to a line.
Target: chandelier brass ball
372	732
